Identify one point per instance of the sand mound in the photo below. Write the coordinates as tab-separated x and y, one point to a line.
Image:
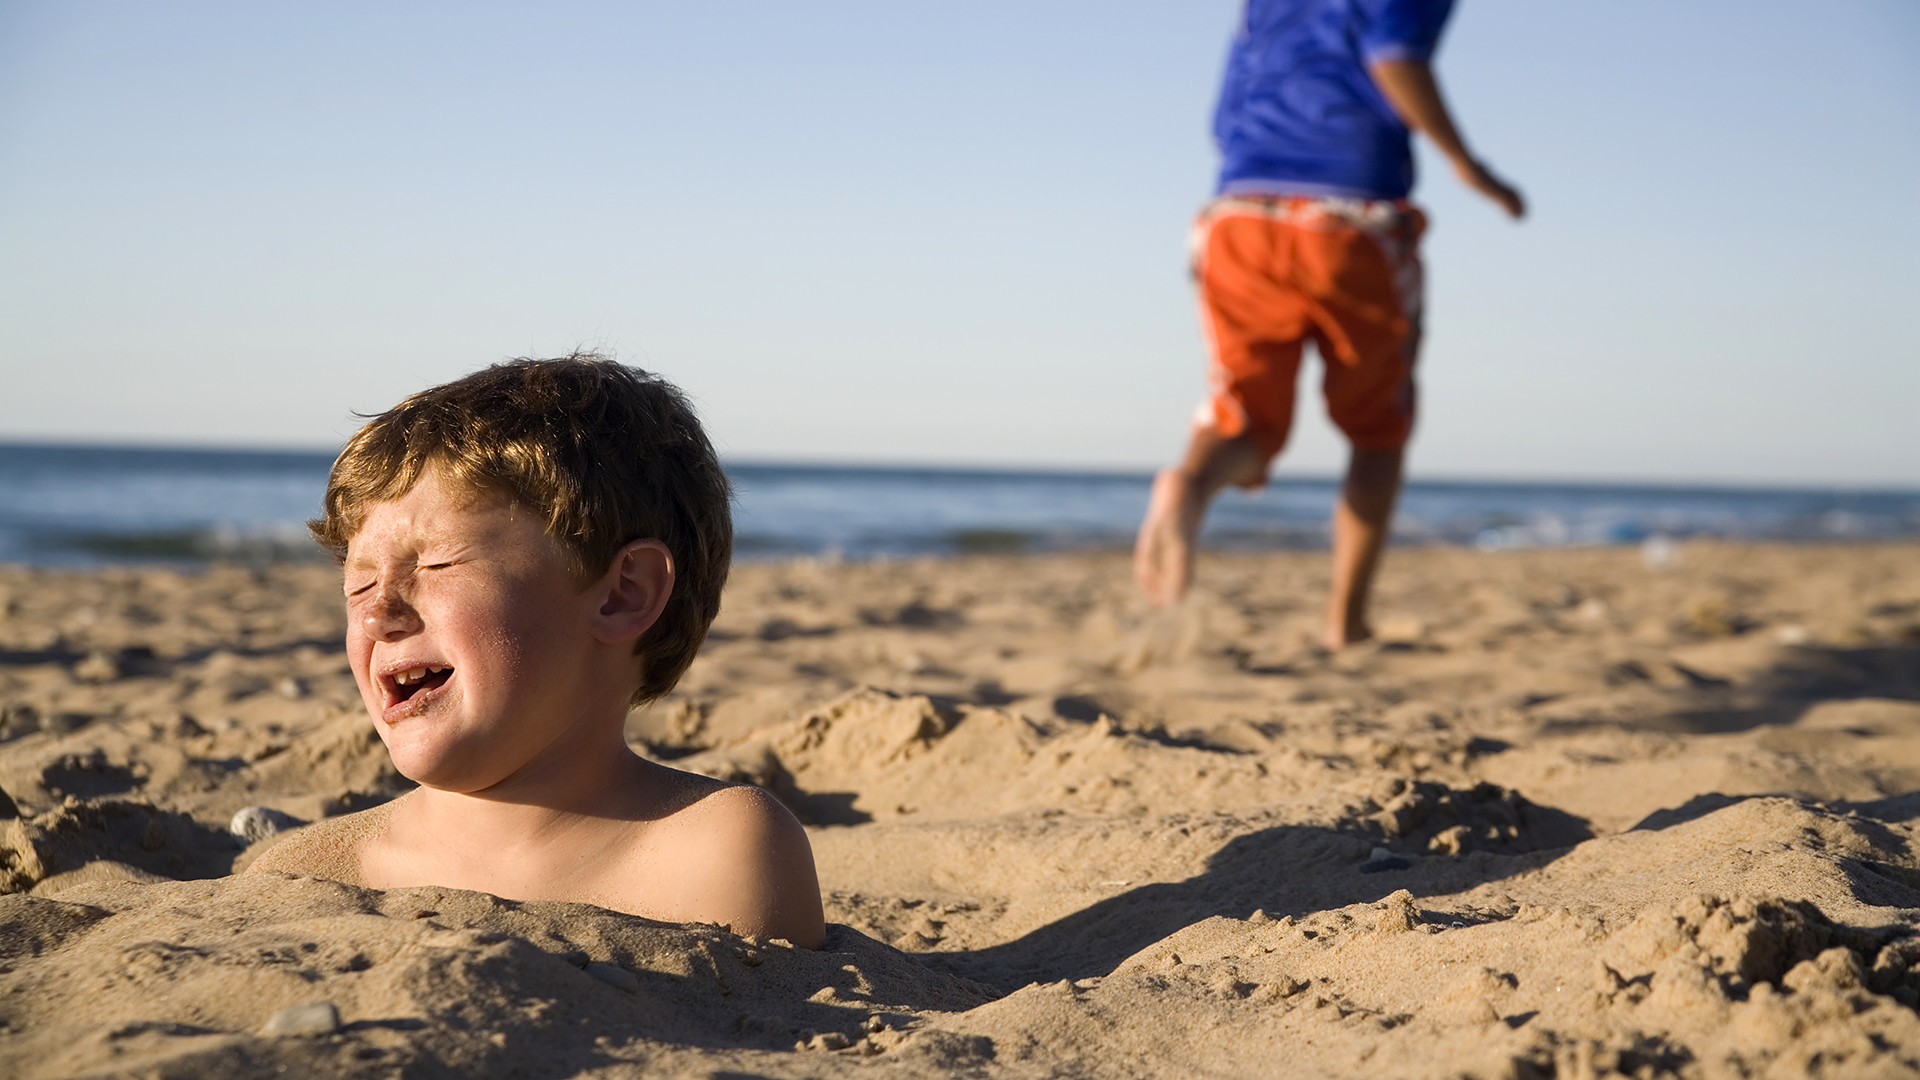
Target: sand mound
874	756
1711	987
1642	972
188	979
1576	817
79	841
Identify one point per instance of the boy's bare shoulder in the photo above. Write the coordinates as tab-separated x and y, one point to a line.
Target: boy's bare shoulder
740	847
742	810
726	818
330	848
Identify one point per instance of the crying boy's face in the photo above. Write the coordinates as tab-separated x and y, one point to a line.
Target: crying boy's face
467	634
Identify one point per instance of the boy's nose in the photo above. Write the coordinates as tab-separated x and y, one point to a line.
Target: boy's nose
390	618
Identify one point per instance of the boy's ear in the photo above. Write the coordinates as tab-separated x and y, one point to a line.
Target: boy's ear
634	591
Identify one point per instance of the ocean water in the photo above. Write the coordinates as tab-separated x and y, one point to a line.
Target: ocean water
93	505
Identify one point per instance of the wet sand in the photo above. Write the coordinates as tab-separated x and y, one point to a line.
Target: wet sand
1572	815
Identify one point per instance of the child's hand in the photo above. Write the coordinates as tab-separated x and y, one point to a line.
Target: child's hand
1481	179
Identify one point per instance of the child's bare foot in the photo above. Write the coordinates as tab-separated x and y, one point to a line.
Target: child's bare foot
1342	633
1346	627
1163	554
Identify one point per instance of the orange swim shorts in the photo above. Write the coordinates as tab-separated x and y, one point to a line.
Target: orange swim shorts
1275	273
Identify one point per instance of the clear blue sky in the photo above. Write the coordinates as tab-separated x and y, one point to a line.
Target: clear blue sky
879	231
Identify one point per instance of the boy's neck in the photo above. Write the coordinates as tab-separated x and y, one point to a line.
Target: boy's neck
532	837
577	783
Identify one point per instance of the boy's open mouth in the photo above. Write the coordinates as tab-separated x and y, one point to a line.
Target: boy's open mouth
406	684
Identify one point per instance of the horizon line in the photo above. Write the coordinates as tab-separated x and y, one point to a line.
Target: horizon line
1143	472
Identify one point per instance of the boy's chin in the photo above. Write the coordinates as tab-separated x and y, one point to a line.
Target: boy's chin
435	767
441	778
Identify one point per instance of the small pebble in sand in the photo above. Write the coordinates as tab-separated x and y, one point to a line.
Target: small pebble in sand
291	687
313	1018
1382	859
255	823
615	976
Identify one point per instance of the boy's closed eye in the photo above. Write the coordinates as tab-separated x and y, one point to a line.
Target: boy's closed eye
356	588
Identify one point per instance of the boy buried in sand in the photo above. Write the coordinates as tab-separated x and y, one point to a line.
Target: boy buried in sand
528	552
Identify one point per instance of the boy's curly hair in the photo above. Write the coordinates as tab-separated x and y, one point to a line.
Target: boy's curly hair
605	454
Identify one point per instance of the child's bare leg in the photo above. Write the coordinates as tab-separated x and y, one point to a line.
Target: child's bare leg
1163	553
1360	522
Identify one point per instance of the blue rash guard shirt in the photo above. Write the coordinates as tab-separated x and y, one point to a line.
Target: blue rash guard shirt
1298	112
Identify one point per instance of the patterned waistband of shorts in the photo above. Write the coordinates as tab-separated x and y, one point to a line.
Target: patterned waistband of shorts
1369	215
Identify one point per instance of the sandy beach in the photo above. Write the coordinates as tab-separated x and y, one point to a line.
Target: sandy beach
1580	812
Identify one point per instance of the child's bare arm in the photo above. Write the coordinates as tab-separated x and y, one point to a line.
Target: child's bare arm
1410	87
